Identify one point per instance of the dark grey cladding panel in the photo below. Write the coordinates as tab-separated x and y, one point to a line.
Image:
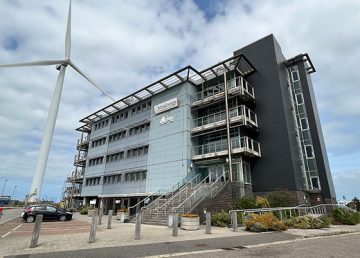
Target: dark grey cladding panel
327	186
275	168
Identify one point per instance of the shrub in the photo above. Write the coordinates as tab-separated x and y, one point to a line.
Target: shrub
246	202
264	222
279	198
262	202
220	219
308	222
84	210
354	204
342	216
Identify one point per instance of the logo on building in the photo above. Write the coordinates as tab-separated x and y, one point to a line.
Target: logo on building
166	119
167	105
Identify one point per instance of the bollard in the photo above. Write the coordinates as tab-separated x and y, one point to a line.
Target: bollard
101	210
234	221
36	231
109	219
92	236
137	226
208	223
175	225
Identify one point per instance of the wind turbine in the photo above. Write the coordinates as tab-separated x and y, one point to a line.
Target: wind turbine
54	107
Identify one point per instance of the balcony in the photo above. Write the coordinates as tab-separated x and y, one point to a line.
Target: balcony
83	143
242	114
76	175
80	160
236	87
244	145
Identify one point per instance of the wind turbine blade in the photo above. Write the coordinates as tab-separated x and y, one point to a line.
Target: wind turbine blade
35	63
68	35
90	80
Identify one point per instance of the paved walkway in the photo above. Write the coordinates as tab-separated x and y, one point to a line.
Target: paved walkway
123	235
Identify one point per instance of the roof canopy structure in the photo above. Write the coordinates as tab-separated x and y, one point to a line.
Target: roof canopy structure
186	74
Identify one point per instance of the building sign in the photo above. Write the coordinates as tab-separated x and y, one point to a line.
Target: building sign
166	119
167	105
93	201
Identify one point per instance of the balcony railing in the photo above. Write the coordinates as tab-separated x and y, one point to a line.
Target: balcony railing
83	141
235	86
237	114
244	145
80	158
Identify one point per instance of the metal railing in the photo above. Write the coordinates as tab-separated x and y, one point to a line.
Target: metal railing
221	116
244	142
81	157
83	140
168	194
232	84
181	195
201	193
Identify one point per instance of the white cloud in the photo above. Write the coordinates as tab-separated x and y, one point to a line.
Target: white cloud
125	45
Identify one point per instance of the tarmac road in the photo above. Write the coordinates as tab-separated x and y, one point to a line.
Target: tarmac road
262	245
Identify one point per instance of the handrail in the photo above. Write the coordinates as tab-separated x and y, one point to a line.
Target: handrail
202	186
199	184
177	184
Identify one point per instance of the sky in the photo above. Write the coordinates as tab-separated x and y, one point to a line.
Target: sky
126	45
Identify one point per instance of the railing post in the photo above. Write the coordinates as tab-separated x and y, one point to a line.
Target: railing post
234	221
101	211
109	219
175	225
208	222
137	226
36	231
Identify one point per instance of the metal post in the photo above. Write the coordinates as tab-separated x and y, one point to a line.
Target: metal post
281	216
234	221
137	226
92	236
175	226
208	222
101	211
109	219
228	126
36	231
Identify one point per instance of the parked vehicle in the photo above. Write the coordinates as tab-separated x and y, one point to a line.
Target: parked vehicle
49	213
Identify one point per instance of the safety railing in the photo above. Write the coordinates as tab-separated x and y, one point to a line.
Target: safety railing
201	193
238	84
181	195
83	140
236	112
242	143
140	206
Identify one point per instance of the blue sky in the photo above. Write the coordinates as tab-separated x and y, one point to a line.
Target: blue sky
125	45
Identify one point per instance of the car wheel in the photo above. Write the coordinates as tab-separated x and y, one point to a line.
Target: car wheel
30	219
62	218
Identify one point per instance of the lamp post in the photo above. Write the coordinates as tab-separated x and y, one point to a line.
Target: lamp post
2	192
13	194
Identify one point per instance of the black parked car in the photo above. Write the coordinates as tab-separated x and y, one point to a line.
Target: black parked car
49	213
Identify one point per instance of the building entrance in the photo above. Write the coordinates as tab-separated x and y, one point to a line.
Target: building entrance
213	171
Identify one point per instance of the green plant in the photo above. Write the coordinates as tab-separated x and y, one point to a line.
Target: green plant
354	204
279	198
84	210
246	202
220	219
342	216
264	222
308	222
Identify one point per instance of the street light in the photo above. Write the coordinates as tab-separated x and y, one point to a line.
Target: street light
13	194
2	192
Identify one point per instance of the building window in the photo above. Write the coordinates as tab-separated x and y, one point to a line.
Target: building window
309	151
295	75
299	99
315	183
304	124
